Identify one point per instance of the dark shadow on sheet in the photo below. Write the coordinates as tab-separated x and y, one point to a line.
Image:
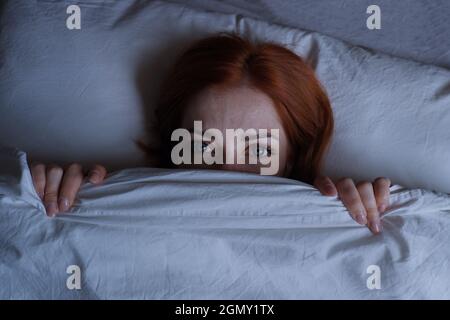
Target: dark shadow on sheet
443	91
153	67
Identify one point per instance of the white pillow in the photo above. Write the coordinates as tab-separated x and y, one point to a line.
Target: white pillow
73	95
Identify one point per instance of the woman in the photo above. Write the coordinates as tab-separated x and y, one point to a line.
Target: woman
228	82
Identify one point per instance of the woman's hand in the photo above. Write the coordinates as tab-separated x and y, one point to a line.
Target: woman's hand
365	201
58	188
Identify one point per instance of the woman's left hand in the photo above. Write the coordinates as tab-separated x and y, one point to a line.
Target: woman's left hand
365	201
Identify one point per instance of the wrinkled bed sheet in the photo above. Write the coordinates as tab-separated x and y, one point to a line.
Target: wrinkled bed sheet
186	234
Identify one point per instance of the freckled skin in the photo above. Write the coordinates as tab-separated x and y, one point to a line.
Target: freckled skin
239	107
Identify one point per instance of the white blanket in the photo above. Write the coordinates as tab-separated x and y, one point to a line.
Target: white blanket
197	234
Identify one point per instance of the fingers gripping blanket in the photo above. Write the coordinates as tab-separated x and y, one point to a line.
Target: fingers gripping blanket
149	233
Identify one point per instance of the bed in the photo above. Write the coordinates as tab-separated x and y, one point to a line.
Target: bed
151	233
86	95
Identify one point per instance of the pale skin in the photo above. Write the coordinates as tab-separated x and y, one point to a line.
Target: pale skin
238	107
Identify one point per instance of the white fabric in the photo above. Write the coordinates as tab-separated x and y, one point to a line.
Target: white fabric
178	234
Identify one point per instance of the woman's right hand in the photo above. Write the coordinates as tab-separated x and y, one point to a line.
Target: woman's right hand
58	187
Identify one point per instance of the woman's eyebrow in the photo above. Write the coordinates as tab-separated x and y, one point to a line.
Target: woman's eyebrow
268	135
191	130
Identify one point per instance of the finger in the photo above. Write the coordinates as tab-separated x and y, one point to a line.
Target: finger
325	186
38	176
367	196
53	180
350	197
71	182
97	174
381	188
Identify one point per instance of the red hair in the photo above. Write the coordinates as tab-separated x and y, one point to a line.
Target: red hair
223	60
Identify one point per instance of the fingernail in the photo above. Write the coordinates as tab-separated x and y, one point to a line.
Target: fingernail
94	178
41	195
382	208
375	227
329	190
361	218
51	208
63	204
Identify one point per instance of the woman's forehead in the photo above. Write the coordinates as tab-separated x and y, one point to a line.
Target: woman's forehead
232	108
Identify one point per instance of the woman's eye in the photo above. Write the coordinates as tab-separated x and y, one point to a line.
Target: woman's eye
261	151
201	147
206	147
